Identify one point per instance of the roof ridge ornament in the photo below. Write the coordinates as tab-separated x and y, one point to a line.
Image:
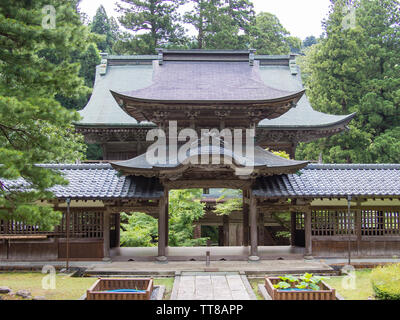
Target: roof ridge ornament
252	56
103	64
160	56
293	65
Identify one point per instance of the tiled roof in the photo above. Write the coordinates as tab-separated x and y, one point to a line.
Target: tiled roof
103	111
98	182
333	181
262	160
102	182
207	81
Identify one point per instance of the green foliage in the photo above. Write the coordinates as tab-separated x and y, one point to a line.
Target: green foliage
155	23
221	24
34	127
305	282
139	230
386	282
94	152
269	36
230	201
282	285
106	27
185	208
309	41
357	70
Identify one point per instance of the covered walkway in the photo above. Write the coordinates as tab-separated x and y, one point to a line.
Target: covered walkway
199	253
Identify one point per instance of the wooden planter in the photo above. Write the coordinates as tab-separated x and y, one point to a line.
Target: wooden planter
326	292
98	290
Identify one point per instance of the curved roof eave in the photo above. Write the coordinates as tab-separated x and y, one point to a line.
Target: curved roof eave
120	95
341	122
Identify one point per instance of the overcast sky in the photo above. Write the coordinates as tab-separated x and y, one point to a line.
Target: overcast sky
301	18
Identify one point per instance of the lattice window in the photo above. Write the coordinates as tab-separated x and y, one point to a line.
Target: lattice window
299	221
332	223
380	223
18	228
83	224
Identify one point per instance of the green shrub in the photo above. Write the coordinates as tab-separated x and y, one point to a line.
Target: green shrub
386	282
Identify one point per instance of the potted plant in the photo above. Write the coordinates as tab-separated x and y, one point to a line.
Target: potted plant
306	287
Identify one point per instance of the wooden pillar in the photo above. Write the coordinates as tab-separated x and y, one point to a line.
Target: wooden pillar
308	234
162	231
261	229
118	230
197	231
226	230
292	151
106	234
358	231
253	229
293	229
245	220
220	236
166	217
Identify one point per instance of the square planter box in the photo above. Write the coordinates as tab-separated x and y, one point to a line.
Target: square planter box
325	293
99	290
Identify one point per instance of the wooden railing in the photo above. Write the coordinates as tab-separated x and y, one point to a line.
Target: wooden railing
326	223
83	224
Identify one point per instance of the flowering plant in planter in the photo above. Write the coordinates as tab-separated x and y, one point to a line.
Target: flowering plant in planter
307	282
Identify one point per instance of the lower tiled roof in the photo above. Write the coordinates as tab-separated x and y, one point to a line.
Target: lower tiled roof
98	182
102	182
333	181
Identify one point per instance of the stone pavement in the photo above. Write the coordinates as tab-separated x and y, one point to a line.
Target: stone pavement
212	286
257	268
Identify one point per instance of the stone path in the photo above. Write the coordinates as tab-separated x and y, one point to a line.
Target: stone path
212	286
261	268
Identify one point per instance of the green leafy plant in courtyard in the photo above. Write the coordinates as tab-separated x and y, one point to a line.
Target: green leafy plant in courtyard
386	282
305	282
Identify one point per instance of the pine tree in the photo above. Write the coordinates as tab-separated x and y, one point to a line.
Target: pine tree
356	68
269	36
221	24
107	27
155	23
34	127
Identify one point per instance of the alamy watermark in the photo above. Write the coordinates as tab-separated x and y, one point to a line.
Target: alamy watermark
49	280
49	19
349	282
234	148
350	17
